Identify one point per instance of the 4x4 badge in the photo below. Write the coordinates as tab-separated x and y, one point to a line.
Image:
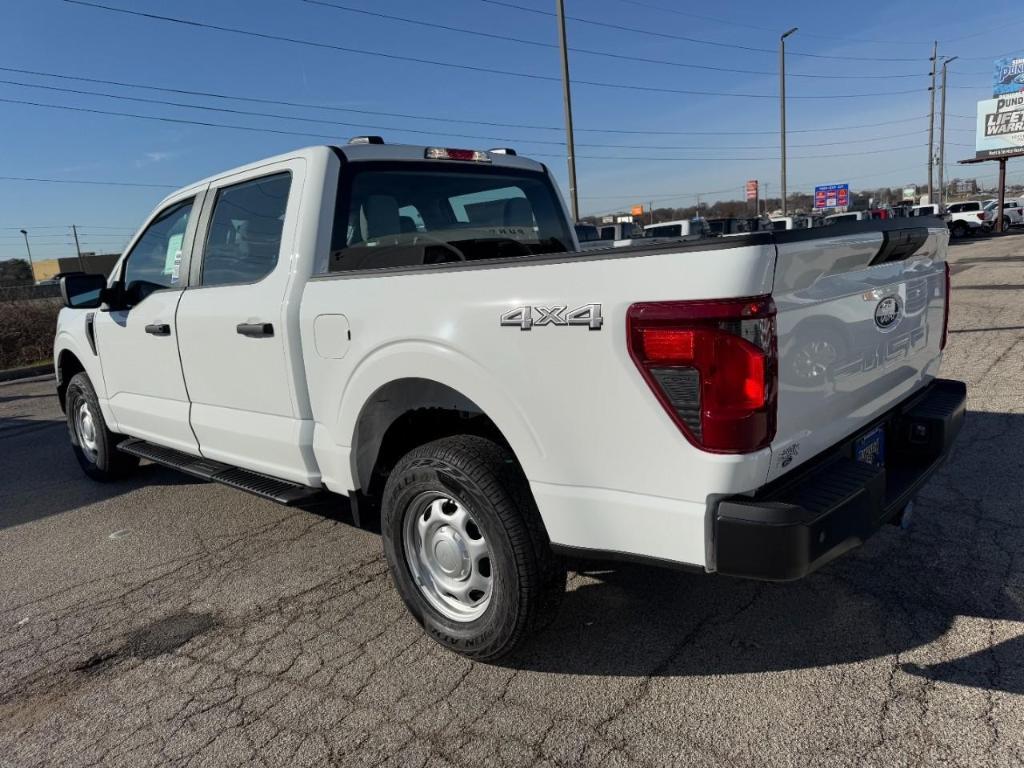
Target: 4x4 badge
525	318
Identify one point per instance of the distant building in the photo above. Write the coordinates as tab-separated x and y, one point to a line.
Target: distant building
93	263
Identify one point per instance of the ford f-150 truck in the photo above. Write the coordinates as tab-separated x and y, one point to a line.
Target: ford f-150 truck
415	328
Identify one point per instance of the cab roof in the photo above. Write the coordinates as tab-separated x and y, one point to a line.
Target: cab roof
367	152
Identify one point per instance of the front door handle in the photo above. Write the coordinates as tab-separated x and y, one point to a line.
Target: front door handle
159	329
255	330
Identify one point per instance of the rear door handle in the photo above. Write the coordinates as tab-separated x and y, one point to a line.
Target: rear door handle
159	329
255	330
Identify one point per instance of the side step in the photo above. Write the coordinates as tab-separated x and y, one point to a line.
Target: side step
281	491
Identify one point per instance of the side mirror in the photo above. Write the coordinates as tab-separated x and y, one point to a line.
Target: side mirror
82	291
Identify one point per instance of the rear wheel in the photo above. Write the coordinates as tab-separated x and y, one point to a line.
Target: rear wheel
466	546
94	445
959	229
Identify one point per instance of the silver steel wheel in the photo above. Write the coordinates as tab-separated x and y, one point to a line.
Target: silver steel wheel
447	556
85	430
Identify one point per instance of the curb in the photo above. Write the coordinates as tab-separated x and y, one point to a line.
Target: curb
27	372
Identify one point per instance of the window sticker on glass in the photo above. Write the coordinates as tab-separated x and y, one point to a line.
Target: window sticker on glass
172	260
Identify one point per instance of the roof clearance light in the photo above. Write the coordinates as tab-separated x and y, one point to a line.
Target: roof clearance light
443	153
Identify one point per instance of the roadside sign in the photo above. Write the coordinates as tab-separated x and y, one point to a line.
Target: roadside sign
832	196
1008	76
638	210
752	189
1000	127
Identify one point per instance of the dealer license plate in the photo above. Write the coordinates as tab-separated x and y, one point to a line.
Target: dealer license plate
870	448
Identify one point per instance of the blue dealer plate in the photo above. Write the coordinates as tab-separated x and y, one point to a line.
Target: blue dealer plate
870	448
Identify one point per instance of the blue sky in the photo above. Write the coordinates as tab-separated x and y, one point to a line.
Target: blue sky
72	40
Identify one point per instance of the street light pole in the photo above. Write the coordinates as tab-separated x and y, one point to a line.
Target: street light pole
567	98
28	248
78	248
942	134
931	125
782	110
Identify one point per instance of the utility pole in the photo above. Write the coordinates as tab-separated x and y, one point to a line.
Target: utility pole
782	109
31	266
650	210
931	124
78	249
942	134
567	97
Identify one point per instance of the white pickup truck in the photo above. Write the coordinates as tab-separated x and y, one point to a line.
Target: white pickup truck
415	328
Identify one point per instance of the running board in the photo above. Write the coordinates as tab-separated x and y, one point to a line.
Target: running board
281	491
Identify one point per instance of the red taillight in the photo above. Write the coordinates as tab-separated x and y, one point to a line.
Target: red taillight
712	365
945	310
981	215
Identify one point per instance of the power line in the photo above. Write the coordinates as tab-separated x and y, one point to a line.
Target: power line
293	133
683	38
82	181
305	105
591	52
474	68
519	140
732	23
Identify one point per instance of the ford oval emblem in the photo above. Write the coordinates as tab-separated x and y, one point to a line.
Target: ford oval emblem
887	312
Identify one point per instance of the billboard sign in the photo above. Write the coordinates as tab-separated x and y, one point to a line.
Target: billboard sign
752	189
1000	127
1008	76
832	196
638	211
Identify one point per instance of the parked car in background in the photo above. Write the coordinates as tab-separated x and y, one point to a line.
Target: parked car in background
967	218
790	222
689	228
586	233
841	218
1013	213
733	225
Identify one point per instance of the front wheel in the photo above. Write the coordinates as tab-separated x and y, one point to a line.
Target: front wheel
94	445
959	229
466	546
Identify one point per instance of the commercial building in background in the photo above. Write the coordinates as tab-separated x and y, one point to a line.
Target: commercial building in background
830	196
1009	75
92	263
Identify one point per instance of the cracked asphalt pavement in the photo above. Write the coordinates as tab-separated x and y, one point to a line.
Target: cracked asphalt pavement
169	621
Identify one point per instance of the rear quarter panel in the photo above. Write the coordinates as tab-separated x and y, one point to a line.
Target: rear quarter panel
588	432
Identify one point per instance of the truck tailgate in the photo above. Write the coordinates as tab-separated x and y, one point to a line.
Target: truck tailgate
860	326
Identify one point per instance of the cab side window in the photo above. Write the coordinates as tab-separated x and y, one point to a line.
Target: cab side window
155	260
244	239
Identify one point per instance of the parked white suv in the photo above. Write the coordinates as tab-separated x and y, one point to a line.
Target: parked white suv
415	328
967	218
1013	213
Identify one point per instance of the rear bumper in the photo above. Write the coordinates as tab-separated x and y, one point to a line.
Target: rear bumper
797	524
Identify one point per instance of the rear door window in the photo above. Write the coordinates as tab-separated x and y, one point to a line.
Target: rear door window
243	243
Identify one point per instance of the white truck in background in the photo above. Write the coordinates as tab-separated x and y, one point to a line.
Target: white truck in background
416	329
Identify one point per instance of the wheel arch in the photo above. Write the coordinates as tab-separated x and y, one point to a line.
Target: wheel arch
411	411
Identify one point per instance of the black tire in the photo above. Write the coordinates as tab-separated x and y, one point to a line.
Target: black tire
528	579
95	446
959	229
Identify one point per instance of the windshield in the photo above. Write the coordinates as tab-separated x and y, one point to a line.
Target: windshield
411	214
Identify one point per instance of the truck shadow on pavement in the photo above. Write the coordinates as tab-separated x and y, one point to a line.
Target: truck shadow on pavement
921	596
42	478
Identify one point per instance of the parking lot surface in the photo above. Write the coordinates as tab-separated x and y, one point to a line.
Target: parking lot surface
165	620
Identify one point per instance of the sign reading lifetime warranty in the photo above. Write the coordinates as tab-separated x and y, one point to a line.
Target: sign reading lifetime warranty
1000	128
